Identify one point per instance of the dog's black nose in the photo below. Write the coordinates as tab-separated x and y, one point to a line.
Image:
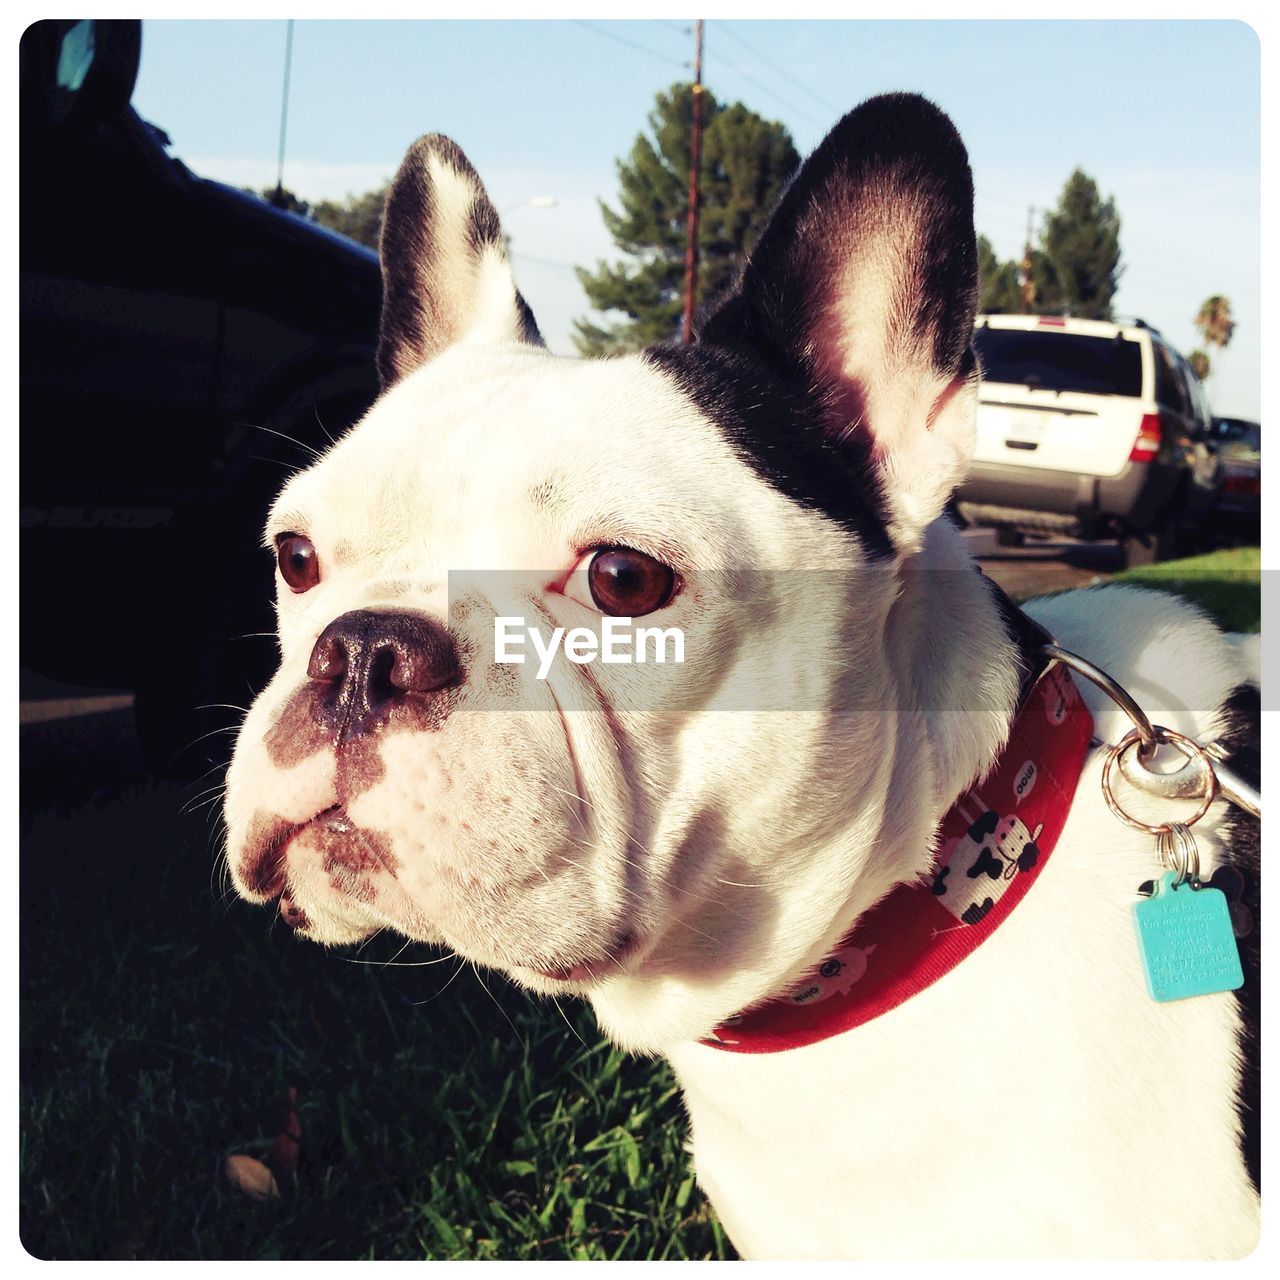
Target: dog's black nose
371	661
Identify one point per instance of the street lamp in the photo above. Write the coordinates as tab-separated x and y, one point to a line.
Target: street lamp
533	202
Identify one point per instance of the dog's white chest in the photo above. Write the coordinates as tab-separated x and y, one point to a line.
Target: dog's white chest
1020	1107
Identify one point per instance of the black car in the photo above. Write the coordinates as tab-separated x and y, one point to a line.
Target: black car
1238	512
178	336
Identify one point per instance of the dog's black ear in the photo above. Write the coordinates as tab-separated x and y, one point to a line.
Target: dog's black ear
863	287
445	274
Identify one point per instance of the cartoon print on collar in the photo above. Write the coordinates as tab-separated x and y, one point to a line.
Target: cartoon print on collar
977	866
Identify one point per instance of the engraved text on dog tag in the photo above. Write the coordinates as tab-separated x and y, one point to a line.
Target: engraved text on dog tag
1186	941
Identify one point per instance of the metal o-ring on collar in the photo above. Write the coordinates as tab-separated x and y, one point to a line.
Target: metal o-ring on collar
1118	694
1189	748
1182	785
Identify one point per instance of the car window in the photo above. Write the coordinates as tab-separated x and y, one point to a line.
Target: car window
1057	361
1197	404
1171	391
1239	438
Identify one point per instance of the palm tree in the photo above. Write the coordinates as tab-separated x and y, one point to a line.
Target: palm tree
1214	322
1200	366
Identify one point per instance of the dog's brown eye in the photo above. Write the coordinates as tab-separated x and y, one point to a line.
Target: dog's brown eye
299	564
629	584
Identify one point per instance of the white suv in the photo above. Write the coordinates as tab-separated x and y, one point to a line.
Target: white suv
1089	428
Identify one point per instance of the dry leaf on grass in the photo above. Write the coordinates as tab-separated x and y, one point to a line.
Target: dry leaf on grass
251	1176
263	1179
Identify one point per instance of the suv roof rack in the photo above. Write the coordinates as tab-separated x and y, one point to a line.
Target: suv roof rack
1139	323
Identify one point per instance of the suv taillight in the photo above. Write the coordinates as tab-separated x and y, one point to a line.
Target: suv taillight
1150	438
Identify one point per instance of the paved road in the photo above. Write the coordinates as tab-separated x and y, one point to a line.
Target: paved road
1056	564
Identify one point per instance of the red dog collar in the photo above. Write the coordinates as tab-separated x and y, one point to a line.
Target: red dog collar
994	842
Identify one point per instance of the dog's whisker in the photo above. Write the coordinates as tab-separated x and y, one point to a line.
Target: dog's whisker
271	431
213	768
212	733
567	1023
400	950
213	817
664	882
377	933
573	795
209	805
452	977
398	964
320	424
498	1005
211	787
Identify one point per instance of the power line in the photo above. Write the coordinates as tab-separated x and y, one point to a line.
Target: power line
1154	271
1146	279
777	70
663	57
773	93
542	262
631	44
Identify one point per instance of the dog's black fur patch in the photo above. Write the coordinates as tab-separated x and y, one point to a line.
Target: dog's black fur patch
776	427
420	314
1027	635
767	366
896	157
1239	725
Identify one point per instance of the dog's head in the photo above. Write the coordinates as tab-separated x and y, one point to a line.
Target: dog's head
675	839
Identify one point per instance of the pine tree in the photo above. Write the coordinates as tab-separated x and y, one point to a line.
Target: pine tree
746	162
1078	267
284	199
1001	290
357	216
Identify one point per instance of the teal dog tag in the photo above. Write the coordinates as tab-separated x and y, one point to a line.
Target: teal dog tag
1186	941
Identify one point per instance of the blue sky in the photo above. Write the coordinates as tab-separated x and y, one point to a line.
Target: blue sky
1163	114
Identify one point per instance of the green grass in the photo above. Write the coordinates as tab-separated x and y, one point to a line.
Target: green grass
1226	584
442	1116
161	1028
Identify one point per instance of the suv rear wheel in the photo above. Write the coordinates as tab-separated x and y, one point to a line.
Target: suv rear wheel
1151	546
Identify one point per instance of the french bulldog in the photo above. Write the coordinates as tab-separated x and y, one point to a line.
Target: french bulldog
677	843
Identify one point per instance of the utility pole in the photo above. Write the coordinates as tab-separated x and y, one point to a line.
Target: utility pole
1028	284
278	199
695	164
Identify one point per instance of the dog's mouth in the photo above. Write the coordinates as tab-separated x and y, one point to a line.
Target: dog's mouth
344	844
346	879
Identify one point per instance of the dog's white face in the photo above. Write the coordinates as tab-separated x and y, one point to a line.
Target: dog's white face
671	840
